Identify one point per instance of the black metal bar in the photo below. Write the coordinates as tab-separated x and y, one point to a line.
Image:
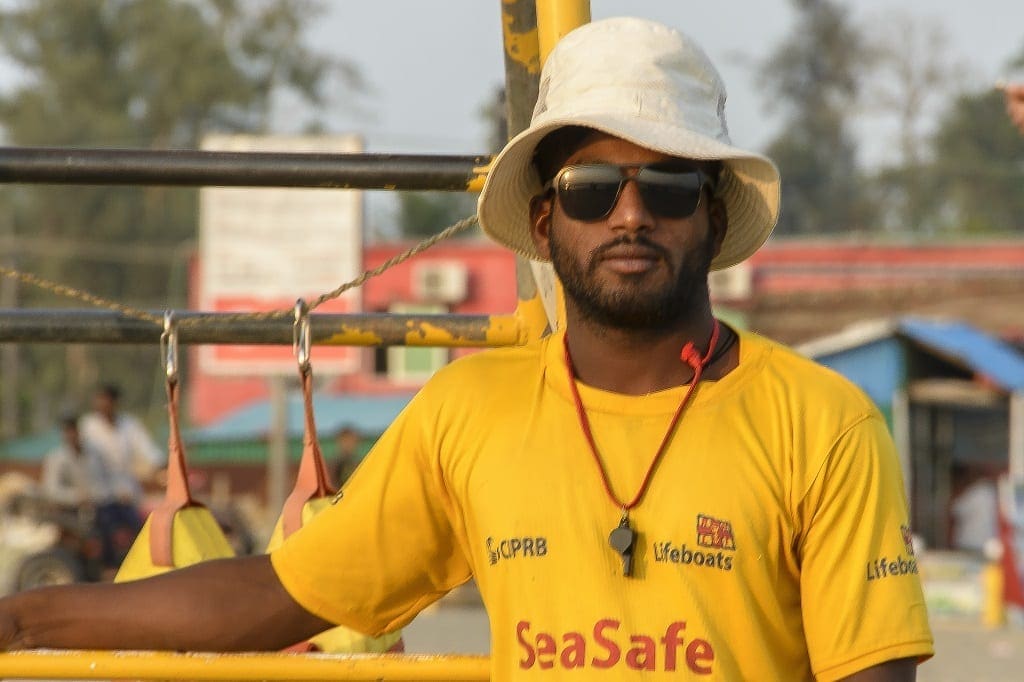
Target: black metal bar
369	329
238	169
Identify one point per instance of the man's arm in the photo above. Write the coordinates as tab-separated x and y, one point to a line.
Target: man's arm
223	605
899	670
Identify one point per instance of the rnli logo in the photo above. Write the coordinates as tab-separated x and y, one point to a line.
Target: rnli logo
714	533
908	539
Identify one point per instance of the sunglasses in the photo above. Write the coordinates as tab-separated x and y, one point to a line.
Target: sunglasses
589	192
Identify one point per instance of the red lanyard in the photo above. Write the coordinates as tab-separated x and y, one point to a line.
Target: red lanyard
691	357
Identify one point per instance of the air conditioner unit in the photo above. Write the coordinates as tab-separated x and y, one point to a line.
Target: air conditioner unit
440	281
731	284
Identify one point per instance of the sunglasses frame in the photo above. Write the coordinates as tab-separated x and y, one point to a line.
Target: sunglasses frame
704	180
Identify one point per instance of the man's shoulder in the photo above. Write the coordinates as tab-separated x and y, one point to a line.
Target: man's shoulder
489	365
804	376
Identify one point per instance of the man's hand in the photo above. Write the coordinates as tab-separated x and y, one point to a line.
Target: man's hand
1014	94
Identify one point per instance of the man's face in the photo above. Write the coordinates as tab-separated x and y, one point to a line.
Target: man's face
632	269
105	404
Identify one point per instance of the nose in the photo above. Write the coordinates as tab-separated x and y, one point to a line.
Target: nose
630	213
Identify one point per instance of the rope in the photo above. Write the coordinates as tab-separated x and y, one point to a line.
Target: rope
129	311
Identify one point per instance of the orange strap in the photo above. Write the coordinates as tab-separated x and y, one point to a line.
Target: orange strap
312	480
177	495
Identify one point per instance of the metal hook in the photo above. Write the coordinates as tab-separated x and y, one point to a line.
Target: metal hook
169	347
301	336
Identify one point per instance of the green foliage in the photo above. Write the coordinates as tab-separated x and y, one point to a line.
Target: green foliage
979	166
140	74
424	214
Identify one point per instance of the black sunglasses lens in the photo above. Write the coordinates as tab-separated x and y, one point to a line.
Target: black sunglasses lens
670	194
589	192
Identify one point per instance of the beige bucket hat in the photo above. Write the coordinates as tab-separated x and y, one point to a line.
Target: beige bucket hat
655	87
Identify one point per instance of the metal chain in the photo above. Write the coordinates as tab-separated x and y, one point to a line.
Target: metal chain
128	311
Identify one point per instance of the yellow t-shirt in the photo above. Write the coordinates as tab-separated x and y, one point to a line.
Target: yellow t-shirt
773	539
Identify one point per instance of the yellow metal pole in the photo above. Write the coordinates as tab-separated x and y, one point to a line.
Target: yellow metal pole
158	665
530	29
555	18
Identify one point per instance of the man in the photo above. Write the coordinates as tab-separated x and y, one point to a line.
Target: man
649	494
348	441
73	473
1014	94
129	456
126	447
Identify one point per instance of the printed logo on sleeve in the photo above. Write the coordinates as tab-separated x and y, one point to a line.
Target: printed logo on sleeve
908	539
892	567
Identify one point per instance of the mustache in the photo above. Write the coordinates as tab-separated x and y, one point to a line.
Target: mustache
642	241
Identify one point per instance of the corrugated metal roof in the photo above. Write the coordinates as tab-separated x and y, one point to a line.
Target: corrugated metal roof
998	362
367	414
985	355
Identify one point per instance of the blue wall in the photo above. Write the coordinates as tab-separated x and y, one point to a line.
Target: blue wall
877	367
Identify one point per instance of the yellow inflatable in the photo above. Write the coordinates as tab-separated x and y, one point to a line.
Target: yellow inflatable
180	531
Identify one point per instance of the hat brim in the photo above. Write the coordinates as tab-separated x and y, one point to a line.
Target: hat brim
749	187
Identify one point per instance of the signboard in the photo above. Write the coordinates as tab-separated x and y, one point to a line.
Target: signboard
262	248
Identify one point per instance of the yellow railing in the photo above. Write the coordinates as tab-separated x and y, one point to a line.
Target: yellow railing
157	665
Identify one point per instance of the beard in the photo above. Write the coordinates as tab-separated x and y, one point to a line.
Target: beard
635	304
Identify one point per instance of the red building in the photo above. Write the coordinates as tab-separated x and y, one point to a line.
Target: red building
468	277
791	290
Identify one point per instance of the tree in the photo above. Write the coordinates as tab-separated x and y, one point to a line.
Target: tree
914	69
977	166
422	214
138	73
812	77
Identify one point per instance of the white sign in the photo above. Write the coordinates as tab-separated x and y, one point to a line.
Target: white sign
261	248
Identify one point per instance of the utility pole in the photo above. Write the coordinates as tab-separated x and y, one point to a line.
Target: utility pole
8	351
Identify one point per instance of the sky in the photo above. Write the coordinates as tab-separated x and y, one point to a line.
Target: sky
433	64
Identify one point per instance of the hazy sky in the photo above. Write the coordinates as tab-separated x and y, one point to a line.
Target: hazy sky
432	64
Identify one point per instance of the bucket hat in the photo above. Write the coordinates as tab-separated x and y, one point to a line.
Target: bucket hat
650	85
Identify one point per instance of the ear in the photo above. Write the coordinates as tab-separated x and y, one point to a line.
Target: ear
541	208
718	223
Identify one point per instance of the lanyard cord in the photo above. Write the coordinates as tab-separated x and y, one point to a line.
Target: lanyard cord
691	357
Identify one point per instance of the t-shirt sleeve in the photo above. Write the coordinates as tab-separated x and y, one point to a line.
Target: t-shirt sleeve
860	588
387	548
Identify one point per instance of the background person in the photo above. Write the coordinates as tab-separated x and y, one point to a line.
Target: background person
131	458
73	473
127	449
348	458
1014	93
645	494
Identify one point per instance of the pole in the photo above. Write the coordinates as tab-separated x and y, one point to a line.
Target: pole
190	168
277	447
8	351
333	329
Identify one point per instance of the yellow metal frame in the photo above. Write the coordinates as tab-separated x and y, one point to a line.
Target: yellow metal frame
158	665
532	318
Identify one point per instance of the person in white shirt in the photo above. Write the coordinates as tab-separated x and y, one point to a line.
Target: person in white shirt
73	473
127	449
131	457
